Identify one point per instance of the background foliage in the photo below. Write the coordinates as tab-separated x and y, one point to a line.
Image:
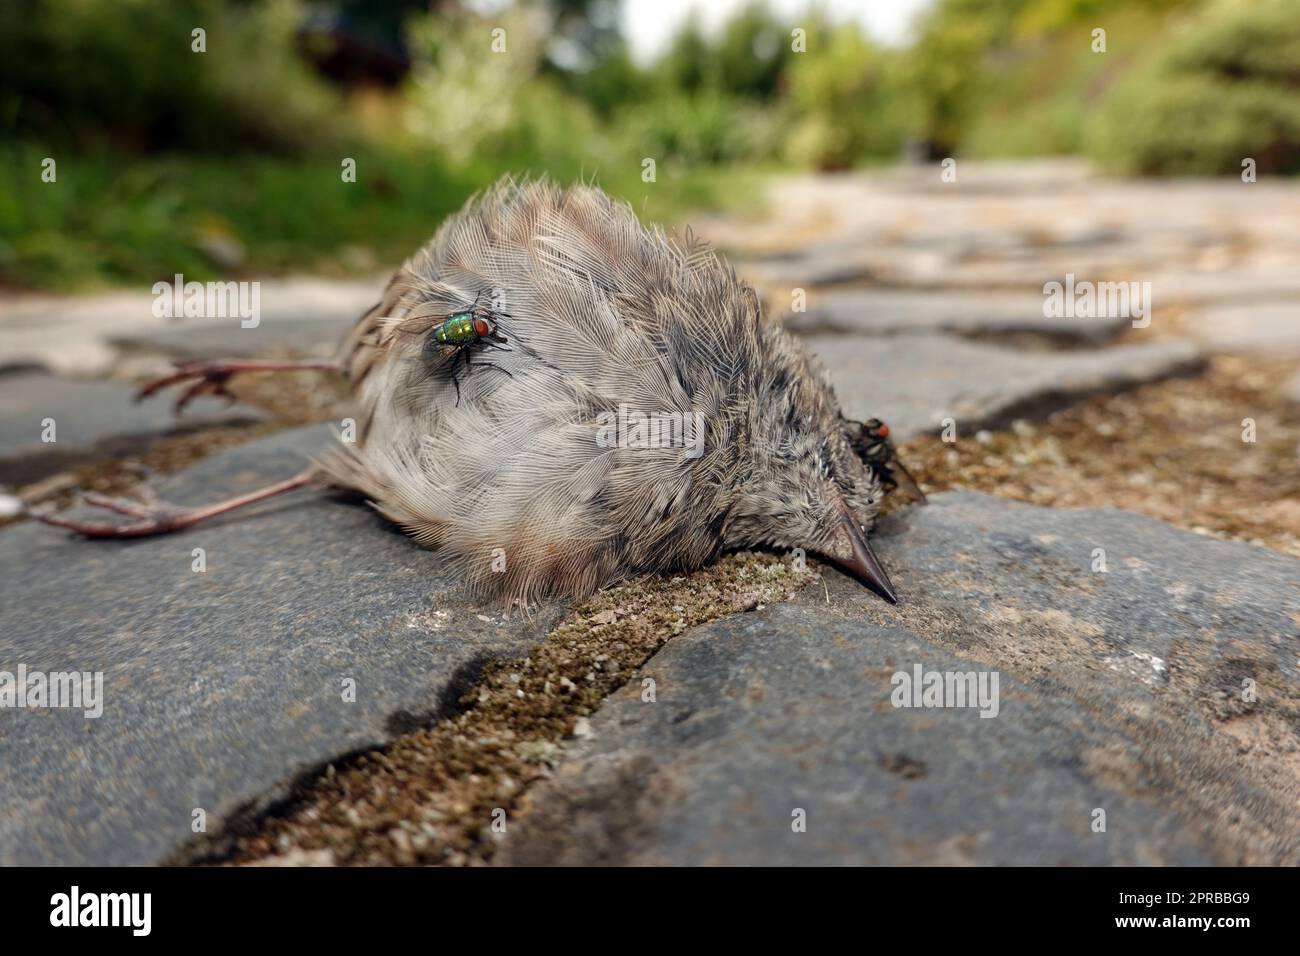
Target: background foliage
228	161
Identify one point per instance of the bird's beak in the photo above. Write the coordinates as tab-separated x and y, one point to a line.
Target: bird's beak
861	560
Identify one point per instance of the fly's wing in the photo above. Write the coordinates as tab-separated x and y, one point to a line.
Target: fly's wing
912	482
871	443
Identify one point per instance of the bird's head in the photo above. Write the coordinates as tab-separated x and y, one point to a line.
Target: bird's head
805	480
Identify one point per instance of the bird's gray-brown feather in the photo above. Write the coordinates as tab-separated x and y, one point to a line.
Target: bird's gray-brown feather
600	313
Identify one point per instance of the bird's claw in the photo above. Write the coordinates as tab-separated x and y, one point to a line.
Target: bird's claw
205	377
151	517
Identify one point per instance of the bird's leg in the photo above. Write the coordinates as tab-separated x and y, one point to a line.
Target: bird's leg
211	375
160	517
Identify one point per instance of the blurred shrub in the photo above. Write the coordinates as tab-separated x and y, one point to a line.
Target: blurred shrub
846	103
707	127
507	108
114	221
1019	77
1042	94
608	83
950	67
1224	88
121	72
473	104
752	53
746	60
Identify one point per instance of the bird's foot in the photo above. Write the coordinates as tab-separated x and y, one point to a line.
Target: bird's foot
150	516
202	377
210	376
154	516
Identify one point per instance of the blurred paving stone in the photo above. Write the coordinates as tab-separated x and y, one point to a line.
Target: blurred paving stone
910	206
93	420
1291	389
890	311
951	264
1246	283
1031	274
913	382
813	265
1120	690
306	335
1270	327
220	687
65	333
75	335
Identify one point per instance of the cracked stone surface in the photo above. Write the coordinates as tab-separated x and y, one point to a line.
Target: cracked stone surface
913	382
220	686
1119	690
93	419
894	311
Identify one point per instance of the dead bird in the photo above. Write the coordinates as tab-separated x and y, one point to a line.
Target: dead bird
637	415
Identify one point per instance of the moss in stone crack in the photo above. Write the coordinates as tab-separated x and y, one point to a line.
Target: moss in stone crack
1172	450
430	795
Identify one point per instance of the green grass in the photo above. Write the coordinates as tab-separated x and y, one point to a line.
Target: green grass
113	219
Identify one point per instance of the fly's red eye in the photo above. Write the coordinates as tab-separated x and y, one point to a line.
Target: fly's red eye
481	327
883	430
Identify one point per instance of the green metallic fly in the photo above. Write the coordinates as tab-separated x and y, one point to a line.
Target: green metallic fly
459	332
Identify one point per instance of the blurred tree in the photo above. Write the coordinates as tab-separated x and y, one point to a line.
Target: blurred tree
1017	76
614	80
752	53
847	103
946	67
123	72
1223	88
689	64
747	59
360	41
584	33
589	56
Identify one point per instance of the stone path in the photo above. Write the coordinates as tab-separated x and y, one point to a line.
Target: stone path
222	686
1122	690
885	311
1118	690
915	382
48	423
83	335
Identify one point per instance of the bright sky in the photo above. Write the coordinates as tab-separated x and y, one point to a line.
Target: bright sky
650	24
